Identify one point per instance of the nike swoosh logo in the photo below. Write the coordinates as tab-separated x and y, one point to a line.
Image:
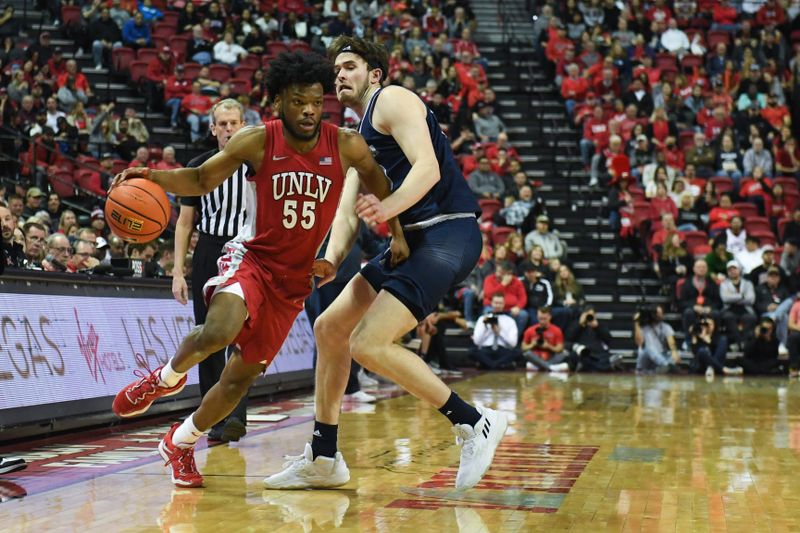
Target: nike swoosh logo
279	158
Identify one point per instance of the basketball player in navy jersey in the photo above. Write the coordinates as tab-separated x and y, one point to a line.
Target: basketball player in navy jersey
438	213
222	213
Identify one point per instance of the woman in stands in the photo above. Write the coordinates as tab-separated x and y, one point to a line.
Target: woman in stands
67	219
516	248
568	298
673	263
534	260
689	218
719	218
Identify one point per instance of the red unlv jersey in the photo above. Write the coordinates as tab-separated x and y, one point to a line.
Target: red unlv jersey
290	205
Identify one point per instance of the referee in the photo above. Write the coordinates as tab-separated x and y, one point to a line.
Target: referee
222	213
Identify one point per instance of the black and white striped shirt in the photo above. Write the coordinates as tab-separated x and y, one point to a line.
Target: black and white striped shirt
222	211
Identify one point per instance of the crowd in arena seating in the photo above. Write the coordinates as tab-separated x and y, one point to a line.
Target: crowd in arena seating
689	114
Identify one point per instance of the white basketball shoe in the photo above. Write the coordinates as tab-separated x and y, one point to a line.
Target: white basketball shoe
305	472
478	445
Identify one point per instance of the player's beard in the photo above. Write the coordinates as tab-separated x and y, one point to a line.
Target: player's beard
298	134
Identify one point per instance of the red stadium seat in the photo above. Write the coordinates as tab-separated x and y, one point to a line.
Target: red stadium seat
159	41
146	54
240	86
191	70
161	29
276	47
722	184
62	183
746	209
89	180
489	208
252	61
500	234
787	182
154	153
265	61
219	72
179	45
119	166
666	61
757	224
715	37
121	58
299	46
766	237
686	139
71	16
171	18
701	250
243	72
138	69
691	62
679	287
694	239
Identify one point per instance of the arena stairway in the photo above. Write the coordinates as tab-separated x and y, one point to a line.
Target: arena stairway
534	113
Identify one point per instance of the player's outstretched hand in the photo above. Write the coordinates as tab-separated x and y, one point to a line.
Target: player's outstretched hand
370	209
400	251
127	174
180	290
324	270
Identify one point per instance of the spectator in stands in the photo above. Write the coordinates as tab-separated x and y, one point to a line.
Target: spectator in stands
729	162
759	274
196	106
792	228
69	95
657	350
82	259
54	209
595	136
551	244
738	297
484	182
702	156
97	221
538	289
689	216
699	296
787	159
118	14
504	281
80	78
13	251
771	293
736	236
150	13
495	337
228	52
168	161
611	162
136	33
200	49
543	345
574	88
52	115
176	87
35	235
516	213
487	125
761	351
142	158
710	349
790	258
67	219
719	218
106	36
717	259
57	251
661	203
673	262
567	297
757	156
751	257
158	70
33	202
674	40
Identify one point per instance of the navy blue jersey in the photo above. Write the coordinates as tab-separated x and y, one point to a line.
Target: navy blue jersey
450	195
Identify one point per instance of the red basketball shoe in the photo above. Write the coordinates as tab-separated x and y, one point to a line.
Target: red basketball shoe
137	397
184	469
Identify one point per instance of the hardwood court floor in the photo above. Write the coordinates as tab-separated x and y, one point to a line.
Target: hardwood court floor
588	453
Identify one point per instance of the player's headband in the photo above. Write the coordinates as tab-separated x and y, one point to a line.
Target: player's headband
370	65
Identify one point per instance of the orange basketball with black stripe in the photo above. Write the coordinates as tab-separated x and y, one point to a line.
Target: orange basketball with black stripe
137	210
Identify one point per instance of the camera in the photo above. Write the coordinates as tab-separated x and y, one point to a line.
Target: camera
540	332
589	318
490	319
698	326
581	350
763	331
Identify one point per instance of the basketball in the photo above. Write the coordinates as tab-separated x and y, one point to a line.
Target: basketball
137	210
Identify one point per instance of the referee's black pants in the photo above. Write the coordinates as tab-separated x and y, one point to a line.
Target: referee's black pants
204	267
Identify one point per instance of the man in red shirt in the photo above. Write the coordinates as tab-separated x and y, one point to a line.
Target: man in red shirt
502	143
543	344
557	46
196	106
434	23
176	87
168	160
771	15
718	122
774	113
158	70
595	135
503	281
80	80
574	87
467	74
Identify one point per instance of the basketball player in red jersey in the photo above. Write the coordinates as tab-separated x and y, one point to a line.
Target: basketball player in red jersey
264	277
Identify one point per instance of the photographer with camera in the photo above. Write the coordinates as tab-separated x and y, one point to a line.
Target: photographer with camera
738	296
495	337
590	345
656	341
761	351
710	348
543	344
699	296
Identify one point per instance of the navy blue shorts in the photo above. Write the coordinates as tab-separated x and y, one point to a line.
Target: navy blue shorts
441	256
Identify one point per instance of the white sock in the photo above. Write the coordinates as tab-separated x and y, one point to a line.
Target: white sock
170	378
186	434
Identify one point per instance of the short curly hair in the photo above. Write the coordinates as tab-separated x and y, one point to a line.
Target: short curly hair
303	68
374	54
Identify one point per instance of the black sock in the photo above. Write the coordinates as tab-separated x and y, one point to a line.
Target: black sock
323	441
459	412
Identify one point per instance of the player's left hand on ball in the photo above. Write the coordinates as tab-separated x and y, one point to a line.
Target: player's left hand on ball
400	250
370	209
127	174
323	269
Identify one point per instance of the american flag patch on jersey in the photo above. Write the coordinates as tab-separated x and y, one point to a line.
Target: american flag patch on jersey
327	160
